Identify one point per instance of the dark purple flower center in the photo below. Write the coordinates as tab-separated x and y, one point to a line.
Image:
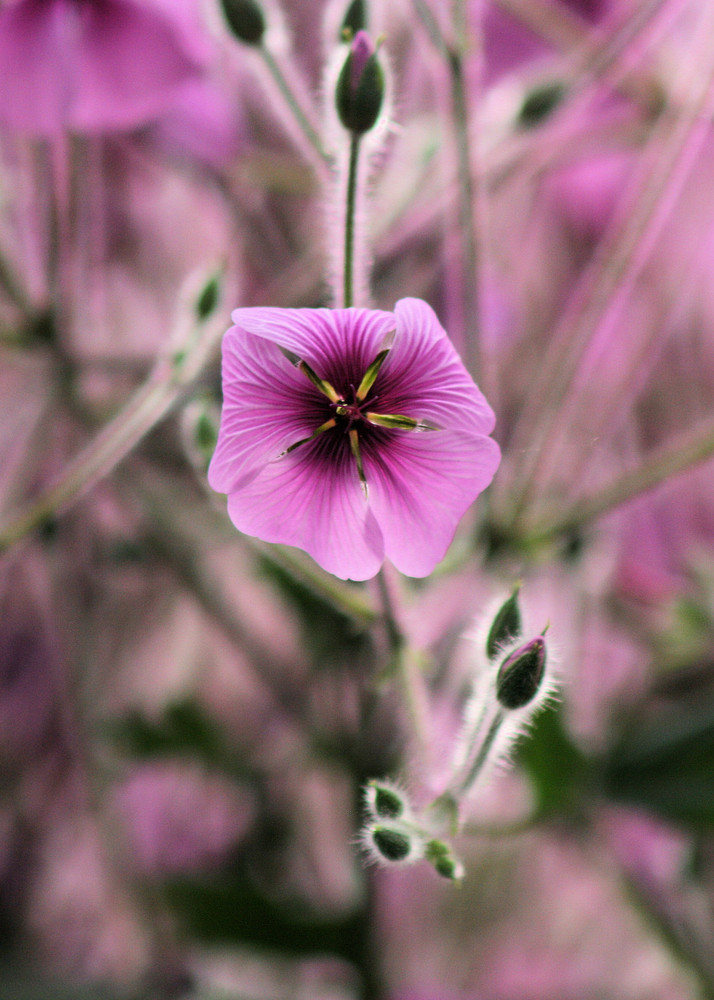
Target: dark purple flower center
350	409
350	418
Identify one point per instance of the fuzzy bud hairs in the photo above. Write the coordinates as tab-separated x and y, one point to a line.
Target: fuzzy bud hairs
513	680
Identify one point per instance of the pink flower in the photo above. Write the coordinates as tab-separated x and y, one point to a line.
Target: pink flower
88	66
354	434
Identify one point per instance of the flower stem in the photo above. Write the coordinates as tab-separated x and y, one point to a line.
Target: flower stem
12	288
599	301
686	451
468	192
395	636
461	787
348	272
292	102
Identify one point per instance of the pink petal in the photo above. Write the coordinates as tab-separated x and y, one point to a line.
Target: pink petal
318	507
130	65
93	66
268	405
339	344
419	489
35	74
424	376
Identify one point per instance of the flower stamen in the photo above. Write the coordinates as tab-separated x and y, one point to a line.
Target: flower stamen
354	446
320	430
370	375
399	421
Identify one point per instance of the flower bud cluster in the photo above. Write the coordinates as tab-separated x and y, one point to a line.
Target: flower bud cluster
512	683
396	834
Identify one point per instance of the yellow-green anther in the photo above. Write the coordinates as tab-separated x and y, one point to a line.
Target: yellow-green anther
354	445
323	427
371	374
399	421
320	383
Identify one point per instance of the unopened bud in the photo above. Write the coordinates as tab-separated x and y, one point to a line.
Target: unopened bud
208	297
393	842
441	857
521	673
385	801
506	626
355	20
199	426
360	86
540	103
246	20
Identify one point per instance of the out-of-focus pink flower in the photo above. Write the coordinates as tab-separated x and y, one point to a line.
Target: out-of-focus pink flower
354	434
178	819
80	66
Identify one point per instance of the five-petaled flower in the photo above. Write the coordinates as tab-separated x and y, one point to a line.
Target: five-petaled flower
354	434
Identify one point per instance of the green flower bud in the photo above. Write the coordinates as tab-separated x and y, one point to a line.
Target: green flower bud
245	19
520	675
209	297
360	86
445	864
385	801
506	626
540	103
392	843
355	20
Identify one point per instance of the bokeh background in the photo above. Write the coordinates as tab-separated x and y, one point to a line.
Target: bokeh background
187	716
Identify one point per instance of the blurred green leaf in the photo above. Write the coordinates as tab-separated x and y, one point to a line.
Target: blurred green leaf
184	729
561	774
665	763
330	635
229	909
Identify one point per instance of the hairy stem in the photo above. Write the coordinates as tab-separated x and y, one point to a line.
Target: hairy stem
293	104
350	209
678	456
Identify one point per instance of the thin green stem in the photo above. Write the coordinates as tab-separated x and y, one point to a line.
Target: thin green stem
292	102
468	193
12	288
395	636
341	596
673	933
686	451
431	25
480	759
599	301
350	207
404	666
